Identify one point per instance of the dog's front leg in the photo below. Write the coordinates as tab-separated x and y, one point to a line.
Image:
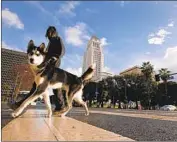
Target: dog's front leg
39	91
19	110
48	103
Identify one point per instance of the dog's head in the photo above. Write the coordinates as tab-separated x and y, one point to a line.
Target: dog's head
51	32
36	54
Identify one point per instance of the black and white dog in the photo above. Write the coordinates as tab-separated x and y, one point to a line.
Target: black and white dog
47	77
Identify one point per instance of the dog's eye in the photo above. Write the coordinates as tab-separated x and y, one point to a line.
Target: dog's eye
37	54
31	54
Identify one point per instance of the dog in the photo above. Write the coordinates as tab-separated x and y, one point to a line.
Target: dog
58	79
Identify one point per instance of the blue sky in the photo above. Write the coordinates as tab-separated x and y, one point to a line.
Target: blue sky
131	32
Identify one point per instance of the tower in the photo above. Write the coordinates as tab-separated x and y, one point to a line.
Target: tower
94	54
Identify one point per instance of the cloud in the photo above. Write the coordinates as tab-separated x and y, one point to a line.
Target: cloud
159	37
171	24
167	60
6	46
77	35
104	42
68	8
11	19
72	63
75	71
107	69
148	53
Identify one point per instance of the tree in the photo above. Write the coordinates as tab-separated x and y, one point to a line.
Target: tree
165	76
147	70
89	92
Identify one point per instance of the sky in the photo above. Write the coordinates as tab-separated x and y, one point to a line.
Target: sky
130	32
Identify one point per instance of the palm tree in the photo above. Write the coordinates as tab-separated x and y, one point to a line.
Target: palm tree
147	70
165	75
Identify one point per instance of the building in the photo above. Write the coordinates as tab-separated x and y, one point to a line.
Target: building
133	70
16	74
105	75
94	54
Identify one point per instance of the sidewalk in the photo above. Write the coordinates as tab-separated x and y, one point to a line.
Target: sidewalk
34	126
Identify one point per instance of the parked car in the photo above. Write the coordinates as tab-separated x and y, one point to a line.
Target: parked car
168	108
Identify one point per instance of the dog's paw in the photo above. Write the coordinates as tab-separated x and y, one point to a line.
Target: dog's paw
63	116
86	114
49	115
13	114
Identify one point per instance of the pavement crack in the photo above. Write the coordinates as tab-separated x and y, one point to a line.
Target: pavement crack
54	131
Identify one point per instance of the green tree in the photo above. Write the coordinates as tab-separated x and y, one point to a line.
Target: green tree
165	76
147	70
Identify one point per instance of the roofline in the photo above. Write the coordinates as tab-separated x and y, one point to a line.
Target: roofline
11	50
129	69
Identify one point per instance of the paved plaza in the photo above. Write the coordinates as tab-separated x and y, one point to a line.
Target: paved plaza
101	125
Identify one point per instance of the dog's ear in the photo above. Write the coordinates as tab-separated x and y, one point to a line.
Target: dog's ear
42	47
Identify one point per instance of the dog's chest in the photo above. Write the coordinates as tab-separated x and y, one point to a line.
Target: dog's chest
39	80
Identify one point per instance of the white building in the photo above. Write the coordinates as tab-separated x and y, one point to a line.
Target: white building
94	54
105	75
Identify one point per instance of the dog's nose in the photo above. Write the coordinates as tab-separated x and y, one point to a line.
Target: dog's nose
31	60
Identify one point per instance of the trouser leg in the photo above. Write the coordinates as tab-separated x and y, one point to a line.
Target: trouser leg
58	99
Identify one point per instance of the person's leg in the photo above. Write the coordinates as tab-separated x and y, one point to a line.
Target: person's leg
58	95
58	99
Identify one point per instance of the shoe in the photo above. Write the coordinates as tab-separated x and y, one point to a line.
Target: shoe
59	112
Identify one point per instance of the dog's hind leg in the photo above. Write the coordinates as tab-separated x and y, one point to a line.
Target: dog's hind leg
48	103
79	100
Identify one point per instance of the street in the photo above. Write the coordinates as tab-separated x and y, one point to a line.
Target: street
133	124
134	127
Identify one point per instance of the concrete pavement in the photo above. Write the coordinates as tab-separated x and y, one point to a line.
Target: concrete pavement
35	126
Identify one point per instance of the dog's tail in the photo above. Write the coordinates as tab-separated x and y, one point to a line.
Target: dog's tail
89	73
